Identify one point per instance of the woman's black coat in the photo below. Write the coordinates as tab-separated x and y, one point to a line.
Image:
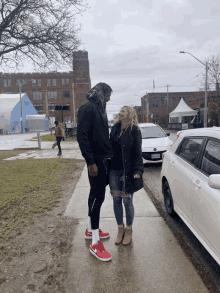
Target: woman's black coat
132	156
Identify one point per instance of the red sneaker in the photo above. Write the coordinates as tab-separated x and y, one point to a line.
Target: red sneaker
99	251
88	235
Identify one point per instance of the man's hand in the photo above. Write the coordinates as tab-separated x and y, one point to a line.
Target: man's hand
137	176
93	170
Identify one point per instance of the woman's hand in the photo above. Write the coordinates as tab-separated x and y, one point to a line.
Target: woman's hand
137	176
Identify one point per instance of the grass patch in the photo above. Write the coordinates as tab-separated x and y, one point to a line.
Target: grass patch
49	137
11	153
28	187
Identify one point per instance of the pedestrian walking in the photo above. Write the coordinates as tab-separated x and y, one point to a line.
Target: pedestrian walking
59	136
94	143
126	169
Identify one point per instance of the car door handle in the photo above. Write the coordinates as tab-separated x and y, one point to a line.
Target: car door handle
196	184
172	164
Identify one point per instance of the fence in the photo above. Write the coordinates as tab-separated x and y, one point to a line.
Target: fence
71	131
183	126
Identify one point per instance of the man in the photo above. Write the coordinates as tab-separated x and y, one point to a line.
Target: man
59	136
94	143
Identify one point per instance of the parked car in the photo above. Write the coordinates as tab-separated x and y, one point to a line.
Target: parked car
154	142
190	178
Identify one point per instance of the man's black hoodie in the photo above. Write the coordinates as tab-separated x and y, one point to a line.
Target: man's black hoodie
92	125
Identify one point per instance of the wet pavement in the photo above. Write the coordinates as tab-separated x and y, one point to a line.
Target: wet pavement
153	262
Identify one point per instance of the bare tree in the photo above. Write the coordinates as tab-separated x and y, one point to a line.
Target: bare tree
42	32
213	84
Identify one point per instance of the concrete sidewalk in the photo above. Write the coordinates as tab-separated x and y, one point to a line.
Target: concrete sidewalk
154	262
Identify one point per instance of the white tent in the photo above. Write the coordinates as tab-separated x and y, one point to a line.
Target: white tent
10	112
181	110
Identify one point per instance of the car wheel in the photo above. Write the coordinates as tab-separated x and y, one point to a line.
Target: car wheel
168	199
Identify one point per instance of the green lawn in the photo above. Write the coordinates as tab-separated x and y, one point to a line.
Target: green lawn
49	137
28	187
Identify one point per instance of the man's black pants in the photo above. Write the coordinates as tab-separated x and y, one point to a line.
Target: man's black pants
97	192
58	143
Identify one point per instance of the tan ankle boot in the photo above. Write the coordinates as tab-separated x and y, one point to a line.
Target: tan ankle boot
127	236
120	235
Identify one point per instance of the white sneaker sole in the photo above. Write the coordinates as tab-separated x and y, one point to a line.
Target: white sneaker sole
90	237
102	259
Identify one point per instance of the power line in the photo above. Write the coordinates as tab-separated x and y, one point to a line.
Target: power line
188	81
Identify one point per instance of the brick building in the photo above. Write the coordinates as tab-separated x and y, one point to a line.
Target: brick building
138	111
159	108
48	91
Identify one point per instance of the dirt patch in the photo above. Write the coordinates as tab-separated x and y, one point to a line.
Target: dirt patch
39	251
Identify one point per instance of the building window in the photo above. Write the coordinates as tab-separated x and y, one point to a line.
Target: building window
65	81
52	95
7	82
51	107
66	94
155	102
39	108
202	105
18	82
48	82
163	100
23	81
39	82
34	82
54	82
66	107
174	98
37	95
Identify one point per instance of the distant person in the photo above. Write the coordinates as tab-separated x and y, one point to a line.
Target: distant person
93	139
59	136
126	169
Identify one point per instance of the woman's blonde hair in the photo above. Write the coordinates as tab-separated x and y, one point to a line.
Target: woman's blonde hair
132	116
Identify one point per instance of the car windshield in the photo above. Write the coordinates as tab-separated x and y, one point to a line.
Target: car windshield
152	132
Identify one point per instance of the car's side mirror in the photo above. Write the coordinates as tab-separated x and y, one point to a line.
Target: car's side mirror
167	133
214	181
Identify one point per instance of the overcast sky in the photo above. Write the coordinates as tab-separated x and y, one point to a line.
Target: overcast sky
132	42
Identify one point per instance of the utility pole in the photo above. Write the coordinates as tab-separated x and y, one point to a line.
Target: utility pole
46	105
168	101
21	103
74	115
206	94
21	109
147	102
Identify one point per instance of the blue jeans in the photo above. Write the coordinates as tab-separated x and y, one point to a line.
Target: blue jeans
116	183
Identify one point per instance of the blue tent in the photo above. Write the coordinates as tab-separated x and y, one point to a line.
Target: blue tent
10	112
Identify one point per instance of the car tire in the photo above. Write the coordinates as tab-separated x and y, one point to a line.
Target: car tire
168	199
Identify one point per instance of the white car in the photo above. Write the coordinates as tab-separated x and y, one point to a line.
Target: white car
190	178
154	142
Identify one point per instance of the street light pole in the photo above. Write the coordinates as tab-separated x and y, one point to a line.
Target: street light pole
74	114
21	110
206	85
206	95
21	104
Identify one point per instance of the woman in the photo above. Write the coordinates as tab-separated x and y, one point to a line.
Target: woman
59	136
126	169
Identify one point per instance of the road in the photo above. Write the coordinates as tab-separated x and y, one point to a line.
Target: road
205	265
